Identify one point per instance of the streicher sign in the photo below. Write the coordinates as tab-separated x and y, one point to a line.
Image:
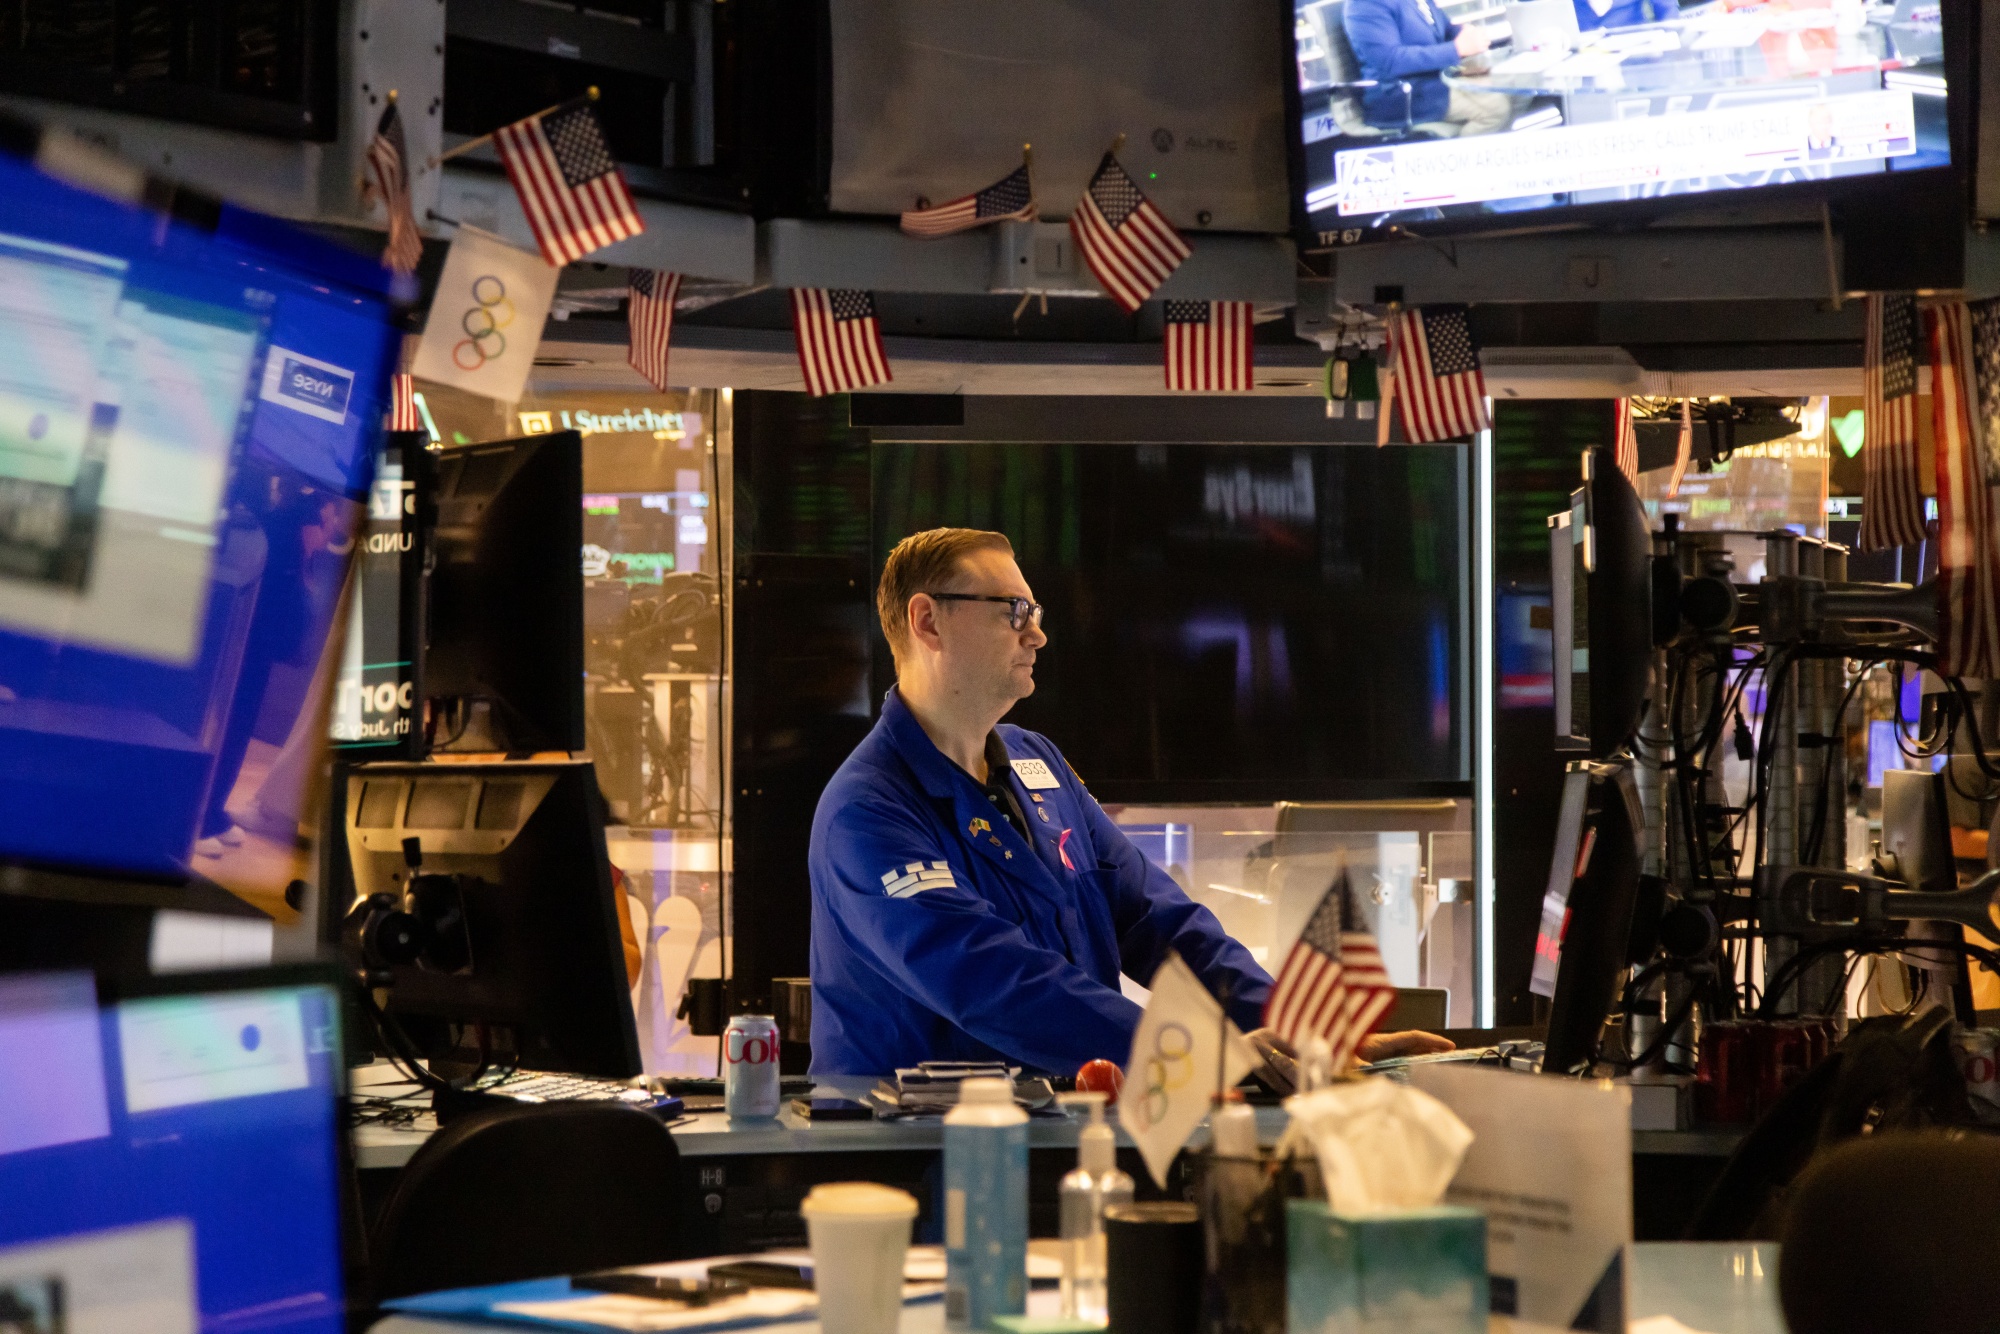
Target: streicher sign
625	421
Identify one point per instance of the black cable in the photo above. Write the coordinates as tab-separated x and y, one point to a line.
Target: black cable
1795	967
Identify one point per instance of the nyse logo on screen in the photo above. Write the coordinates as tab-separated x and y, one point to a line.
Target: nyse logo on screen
307	384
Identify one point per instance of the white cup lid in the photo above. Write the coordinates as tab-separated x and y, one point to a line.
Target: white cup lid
858	1197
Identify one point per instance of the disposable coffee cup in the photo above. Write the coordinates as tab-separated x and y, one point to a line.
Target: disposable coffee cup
860	1235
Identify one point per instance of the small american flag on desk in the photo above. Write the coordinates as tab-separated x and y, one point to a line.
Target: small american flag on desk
1438	379
1892	499
840	341
1208	346
1009	199
1333	985
1128	243
570	186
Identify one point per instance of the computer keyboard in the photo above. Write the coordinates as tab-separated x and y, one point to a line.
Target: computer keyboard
536	1086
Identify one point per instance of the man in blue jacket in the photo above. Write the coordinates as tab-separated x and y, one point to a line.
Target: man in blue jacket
1398	42
971	900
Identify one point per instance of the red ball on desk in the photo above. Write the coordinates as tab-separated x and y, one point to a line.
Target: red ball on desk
1100	1077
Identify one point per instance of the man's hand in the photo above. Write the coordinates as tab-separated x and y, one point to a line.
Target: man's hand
1281	1064
1471	41
1383	1046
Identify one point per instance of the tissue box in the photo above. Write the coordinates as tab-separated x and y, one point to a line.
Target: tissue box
1415	1271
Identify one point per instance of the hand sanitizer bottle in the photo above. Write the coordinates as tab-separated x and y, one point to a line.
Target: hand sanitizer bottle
1085	1193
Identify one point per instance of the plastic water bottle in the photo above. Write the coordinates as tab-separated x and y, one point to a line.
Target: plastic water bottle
985	1206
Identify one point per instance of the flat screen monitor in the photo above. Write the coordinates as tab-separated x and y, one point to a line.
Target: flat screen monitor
188	411
1586	938
1248	623
170	1154
1442	114
526	964
1600	576
503	658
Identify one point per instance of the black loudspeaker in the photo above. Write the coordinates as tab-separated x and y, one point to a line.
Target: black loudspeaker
1893	1233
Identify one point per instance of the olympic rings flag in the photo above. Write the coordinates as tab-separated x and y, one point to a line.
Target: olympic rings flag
486	320
1171	1079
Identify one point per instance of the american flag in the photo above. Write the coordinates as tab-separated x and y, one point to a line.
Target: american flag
1128	243
389	181
1009	199
403	404
1333	985
1208	346
1968	560
570	188
649	319
1628	443
1437	374
840	342
1892	501
1683	449
1986	368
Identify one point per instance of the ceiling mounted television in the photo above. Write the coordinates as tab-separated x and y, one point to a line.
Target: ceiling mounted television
1451	115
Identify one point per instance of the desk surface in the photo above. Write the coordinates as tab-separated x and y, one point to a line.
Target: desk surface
1713	1287
712	1134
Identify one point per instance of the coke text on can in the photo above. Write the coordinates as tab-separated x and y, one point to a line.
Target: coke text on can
750	1066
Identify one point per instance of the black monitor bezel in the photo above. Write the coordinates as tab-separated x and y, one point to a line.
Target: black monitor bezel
1880	188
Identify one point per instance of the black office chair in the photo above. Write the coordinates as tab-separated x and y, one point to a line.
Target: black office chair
1894	1232
529	1192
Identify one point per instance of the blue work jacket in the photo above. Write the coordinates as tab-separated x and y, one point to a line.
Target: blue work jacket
939	933
1398	41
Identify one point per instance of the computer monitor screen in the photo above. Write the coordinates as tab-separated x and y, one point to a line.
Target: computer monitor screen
503	661
169	1161
1434	112
186	417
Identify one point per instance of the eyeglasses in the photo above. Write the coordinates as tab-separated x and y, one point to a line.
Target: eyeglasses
1021	613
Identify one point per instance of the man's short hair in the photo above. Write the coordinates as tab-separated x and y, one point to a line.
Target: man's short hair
923	563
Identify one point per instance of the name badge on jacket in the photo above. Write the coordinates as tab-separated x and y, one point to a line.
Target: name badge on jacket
1034	775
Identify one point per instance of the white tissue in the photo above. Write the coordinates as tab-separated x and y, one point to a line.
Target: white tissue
1381	1145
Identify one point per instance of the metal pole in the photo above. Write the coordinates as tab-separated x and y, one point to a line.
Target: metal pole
1781	799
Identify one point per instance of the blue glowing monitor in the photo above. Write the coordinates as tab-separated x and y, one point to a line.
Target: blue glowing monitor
170	1161
188	413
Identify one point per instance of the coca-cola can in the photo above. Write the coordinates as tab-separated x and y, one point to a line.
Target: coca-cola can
1978	1051
750	1066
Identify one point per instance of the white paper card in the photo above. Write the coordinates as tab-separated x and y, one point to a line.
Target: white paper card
1551	1167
